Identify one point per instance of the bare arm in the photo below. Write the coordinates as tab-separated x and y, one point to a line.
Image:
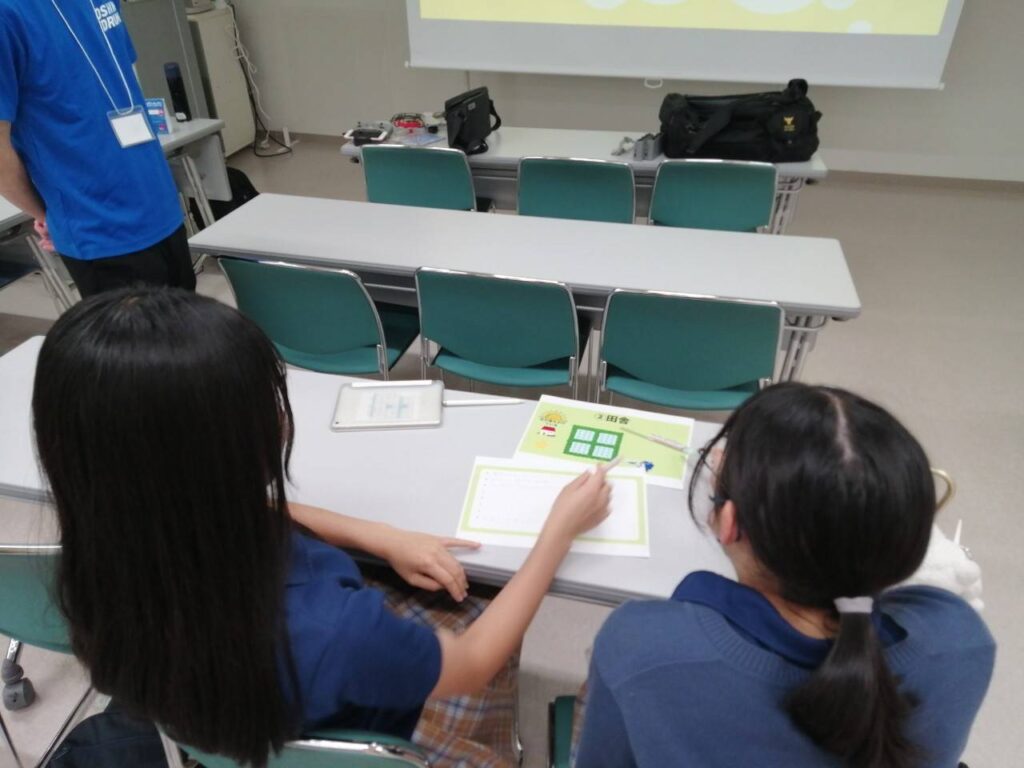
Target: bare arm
470	660
15	184
421	559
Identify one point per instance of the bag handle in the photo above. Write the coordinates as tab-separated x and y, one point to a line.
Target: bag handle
496	116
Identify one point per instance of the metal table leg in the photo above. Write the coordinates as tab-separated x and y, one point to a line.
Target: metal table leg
800	335
787	191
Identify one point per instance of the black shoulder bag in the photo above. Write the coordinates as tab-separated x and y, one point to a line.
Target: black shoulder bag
775	127
468	116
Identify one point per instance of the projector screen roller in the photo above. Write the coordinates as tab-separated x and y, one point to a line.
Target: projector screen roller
881	43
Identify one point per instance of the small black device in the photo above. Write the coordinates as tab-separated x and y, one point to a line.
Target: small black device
469	120
361	136
179	99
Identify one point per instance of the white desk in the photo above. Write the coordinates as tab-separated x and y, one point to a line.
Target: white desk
495	171
808	277
414	479
11	217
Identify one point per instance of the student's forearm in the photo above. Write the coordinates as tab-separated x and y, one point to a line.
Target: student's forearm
341	530
15	184
489	641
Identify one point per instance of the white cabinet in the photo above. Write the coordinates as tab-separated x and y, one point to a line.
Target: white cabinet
213	33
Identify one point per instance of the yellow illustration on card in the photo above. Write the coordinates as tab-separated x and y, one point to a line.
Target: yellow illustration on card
880	17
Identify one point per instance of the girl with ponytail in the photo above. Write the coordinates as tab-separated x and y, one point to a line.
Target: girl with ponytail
823	502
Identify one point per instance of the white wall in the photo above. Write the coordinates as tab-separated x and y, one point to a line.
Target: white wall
326	63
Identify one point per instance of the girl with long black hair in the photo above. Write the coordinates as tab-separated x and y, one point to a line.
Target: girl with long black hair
163	426
824	503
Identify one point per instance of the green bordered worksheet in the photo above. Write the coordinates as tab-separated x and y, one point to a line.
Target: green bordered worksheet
507	503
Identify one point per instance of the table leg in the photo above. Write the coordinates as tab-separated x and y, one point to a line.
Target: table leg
63	292
800	333
787	192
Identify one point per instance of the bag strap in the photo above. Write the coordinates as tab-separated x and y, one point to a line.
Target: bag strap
496	116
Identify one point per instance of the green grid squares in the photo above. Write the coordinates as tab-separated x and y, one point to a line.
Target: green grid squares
590	443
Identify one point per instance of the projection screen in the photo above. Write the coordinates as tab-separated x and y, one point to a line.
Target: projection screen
878	43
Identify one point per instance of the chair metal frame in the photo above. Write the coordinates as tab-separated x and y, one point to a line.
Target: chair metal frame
426	358
38	550
590	160
767	227
427	148
411	757
382	355
602	372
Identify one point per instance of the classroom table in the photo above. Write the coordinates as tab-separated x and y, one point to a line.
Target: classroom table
807	276
412	478
495	171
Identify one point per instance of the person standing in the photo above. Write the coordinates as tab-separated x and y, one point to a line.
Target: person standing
76	150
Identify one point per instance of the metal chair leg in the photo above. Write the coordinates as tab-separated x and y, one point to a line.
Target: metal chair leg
171	751
71	720
10	743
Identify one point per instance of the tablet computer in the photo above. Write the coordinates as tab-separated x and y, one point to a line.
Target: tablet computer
388	405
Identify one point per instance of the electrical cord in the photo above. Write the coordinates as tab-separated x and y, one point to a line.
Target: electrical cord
249	71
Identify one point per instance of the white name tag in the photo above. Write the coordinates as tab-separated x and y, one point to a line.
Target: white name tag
131	128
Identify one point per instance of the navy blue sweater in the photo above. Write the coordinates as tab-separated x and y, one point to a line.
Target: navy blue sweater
677	683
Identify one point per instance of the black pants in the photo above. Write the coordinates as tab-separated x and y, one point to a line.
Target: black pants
165	263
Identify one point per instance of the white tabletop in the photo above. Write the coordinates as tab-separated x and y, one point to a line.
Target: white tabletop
413	478
509	144
188	132
11	216
805	275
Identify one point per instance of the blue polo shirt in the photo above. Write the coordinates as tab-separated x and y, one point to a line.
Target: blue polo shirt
101	200
357	665
698	680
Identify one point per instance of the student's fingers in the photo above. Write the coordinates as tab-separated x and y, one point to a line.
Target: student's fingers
451	575
459	544
420	581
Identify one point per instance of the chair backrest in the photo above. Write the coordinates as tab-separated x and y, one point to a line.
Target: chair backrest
305	310
561	188
501	321
355	751
713	194
428	177
689	342
28	610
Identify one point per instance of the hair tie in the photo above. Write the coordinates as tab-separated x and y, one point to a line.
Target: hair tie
854	604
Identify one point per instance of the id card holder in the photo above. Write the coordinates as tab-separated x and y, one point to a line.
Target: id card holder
131	127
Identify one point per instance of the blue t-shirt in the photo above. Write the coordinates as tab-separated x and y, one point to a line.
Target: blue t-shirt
698	680
357	665
101	200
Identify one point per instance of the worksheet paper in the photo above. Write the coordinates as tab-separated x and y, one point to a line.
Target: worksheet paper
508	502
569	431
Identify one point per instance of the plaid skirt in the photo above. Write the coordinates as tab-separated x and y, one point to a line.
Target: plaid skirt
478	731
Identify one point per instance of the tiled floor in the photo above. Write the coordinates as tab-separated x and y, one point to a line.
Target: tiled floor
940	272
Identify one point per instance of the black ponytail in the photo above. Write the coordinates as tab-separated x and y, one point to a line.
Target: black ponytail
836	499
851	706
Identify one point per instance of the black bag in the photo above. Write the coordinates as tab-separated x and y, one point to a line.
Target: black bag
468	116
775	127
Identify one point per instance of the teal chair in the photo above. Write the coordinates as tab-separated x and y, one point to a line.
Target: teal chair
689	352
321	319
427	177
714	194
560	717
28	612
591	190
508	331
330	749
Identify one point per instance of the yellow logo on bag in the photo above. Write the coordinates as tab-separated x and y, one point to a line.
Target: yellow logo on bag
790	124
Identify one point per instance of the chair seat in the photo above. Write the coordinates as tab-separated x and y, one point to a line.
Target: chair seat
554	373
691	400
401	326
551	374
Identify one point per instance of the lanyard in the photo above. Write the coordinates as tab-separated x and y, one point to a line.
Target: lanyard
96	72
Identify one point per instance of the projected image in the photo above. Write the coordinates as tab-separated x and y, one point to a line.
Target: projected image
880	17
